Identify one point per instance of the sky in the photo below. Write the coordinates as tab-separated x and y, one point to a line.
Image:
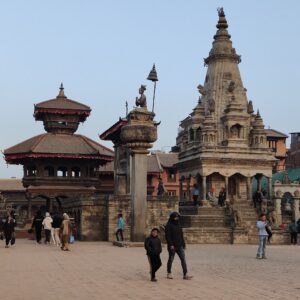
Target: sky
103	51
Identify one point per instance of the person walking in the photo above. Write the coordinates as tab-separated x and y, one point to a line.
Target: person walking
37	226
56	225
176	244
160	188
47	224
9	229
120	228
66	232
153	247
195	194
263	236
293	229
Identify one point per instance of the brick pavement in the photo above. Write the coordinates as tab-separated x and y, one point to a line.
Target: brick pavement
94	270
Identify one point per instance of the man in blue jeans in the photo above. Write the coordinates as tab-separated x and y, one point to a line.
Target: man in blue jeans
263	237
176	244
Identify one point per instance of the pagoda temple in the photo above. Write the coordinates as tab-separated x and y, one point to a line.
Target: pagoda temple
59	165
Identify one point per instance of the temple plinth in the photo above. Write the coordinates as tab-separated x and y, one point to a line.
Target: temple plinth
138	134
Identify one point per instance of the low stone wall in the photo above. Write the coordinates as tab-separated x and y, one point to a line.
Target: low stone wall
90	213
158	210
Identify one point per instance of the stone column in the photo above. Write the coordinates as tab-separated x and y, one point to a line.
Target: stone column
137	135
204	188
278	211
296	213
270	187
226	187
249	188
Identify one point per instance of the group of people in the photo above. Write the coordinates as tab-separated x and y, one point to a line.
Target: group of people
175	243
56	228
215	201
7	230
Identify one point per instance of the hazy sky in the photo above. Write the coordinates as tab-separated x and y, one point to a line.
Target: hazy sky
103	50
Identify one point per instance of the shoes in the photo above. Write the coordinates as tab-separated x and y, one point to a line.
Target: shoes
187	277
169	276
264	257
154	279
258	257
6	246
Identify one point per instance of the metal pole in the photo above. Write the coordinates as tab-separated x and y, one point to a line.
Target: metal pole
153	96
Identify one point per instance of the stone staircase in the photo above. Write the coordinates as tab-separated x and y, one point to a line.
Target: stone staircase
206	225
215	225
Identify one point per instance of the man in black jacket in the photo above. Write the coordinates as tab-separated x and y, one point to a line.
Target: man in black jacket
176	244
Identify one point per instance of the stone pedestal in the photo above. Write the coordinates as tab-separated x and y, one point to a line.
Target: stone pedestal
138	135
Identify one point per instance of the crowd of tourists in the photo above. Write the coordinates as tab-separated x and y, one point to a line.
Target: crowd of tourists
57	229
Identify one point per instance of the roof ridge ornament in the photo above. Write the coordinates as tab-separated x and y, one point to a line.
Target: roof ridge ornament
61	93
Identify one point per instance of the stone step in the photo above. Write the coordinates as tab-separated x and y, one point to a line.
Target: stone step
207	235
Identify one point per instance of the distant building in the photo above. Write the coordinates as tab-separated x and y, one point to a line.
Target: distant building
293	156
160	165
276	141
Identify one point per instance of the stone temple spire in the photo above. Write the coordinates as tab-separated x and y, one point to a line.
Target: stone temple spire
222	45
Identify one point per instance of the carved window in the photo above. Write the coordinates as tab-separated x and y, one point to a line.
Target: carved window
256	140
171	175
191	135
31	171
236	131
62	172
76	172
261	139
48	171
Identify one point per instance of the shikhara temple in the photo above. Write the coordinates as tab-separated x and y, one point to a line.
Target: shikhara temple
222	144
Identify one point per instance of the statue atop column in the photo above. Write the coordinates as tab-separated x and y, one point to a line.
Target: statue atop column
141	101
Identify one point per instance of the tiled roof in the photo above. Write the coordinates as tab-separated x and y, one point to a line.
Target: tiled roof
62	103
155	163
274	133
11	185
167	160
49	143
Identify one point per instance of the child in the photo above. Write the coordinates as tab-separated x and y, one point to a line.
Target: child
263	236
153	248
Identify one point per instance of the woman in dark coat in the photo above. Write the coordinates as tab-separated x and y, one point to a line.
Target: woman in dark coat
37	225
8	229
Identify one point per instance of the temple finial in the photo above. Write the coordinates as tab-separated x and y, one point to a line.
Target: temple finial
61	93
222	23
258	114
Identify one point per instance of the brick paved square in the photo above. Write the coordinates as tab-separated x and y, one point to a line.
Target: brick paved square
97	270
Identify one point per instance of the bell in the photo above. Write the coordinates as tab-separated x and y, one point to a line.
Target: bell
152	75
